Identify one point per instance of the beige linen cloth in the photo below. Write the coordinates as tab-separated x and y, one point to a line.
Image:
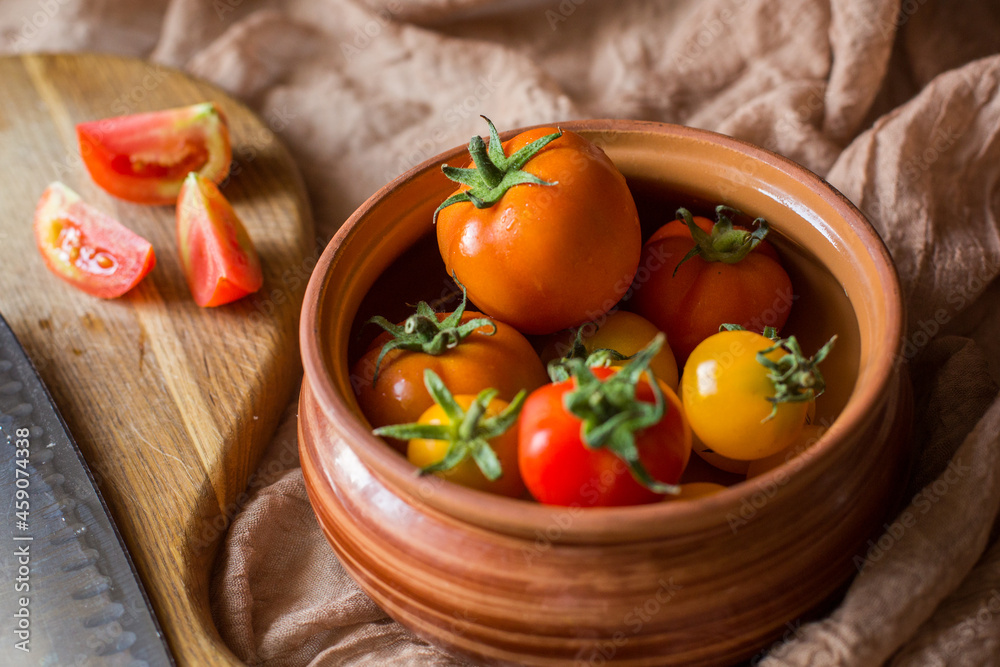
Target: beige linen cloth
895	102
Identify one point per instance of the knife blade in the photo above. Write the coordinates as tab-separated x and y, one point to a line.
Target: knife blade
71	593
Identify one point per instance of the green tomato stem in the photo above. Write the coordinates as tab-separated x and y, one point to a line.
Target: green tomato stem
494	173
796	378
424	332
724	244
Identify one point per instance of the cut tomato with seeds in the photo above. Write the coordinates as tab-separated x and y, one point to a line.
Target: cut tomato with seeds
219	259
145	157
87	248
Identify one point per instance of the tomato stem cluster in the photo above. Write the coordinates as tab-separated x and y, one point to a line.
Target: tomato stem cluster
725	244
424	332
494	172
796	378
467	432
611	413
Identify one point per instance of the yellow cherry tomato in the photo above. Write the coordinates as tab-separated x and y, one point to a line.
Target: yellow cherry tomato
623	332
725	391
423	452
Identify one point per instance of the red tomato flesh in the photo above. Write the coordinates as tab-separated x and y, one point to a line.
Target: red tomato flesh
144	158
86	248
218	257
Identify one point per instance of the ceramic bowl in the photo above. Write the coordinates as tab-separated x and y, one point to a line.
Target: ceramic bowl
703	582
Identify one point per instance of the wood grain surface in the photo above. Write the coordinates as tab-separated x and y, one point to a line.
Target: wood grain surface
170	403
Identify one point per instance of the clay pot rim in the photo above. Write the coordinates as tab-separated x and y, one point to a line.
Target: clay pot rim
527	518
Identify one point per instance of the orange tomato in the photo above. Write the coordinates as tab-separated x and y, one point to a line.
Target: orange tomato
691	304
504	361
545	257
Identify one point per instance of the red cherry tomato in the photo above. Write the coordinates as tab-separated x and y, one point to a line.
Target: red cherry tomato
145	157
86	248
559	469
218	257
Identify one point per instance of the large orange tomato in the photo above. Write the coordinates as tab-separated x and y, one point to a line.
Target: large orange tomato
725	275
543	230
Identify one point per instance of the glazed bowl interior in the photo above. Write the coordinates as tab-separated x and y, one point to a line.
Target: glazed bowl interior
843	277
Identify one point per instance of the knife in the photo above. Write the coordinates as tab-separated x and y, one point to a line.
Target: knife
70	594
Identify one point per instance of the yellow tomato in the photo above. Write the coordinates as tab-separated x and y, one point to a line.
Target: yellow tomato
423	452
625	333
693	490
725	391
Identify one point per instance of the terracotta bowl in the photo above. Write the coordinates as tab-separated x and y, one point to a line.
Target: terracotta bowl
702	582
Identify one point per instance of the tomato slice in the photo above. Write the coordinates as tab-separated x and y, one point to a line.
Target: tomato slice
145	157
87	248
219	259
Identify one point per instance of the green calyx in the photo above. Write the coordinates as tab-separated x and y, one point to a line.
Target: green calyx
494	173
467	432
424	332
796	378
559	369
725	244
611	413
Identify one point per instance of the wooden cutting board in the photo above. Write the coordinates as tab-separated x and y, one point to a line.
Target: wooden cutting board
170	403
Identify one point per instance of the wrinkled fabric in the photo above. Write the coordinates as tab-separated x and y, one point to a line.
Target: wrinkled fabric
895	102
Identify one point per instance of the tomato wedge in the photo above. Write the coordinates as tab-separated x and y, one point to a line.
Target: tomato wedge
87	248
145	157
219	259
